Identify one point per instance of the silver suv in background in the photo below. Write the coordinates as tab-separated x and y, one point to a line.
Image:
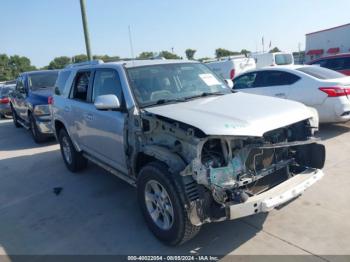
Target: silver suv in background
196	151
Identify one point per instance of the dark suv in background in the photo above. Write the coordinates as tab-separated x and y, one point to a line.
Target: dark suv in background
30	102
340	63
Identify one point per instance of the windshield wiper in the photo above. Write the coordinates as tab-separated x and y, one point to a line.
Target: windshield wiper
204	94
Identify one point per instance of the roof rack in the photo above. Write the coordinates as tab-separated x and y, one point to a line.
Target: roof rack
93	62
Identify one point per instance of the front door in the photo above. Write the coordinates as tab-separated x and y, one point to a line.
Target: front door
104	129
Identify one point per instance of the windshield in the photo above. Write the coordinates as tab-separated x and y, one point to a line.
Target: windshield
173	82
42	80
320	72
283	59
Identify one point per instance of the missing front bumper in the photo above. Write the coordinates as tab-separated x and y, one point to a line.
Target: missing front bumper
276	196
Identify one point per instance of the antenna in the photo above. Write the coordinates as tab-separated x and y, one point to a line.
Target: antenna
131	47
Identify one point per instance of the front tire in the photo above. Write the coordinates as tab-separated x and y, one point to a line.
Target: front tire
15	118
162	207
73	159
36	134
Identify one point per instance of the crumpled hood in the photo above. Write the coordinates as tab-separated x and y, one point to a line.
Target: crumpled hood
237	114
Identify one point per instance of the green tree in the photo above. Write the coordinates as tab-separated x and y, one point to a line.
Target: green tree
59	62
221	52
80	58
245	52
190	53
106	58
274	50
146	55
5	72
11	67
168	55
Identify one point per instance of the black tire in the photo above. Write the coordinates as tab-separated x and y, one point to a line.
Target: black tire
36	134
181	229
15	118
77	161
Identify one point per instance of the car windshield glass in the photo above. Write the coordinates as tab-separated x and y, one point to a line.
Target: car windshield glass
320	72
166	83
42	80
283	59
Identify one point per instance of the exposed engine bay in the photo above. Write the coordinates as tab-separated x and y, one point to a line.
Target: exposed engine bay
228	170
236	169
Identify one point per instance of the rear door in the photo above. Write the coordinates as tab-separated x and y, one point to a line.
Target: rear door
104	137
76	107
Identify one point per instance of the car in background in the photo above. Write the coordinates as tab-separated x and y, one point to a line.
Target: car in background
196	151
30	102
339	62
273	59
5	91
325	90
228	68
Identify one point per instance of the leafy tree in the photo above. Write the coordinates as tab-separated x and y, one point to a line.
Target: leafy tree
5	72
59	62
146	55
190	53
106	58
80	58
245	52
11	67
168	55
274	50
221	52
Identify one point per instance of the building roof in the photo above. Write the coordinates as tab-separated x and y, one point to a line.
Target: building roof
328	29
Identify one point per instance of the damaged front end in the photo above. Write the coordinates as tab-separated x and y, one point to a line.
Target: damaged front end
240	176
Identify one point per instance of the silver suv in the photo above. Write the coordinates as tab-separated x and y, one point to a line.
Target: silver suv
196	151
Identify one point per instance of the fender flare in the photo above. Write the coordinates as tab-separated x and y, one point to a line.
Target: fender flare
175	163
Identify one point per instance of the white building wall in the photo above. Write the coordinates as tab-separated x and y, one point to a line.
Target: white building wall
331	38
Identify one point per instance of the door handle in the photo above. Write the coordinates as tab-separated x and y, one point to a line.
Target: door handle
67	109
89	116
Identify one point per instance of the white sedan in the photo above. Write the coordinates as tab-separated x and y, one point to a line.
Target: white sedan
325	90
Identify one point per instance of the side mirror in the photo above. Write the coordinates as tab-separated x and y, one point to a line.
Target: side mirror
107	102
229	82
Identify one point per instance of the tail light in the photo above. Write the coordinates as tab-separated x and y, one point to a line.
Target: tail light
4	100
50	100
232	73
335	91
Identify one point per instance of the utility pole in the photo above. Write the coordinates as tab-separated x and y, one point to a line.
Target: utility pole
86	29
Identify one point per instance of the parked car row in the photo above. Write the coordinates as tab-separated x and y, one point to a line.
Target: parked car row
5	90
197	151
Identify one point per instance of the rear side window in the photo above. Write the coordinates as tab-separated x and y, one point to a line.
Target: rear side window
320	72
81	85
279	78
107	82
337	63
61	82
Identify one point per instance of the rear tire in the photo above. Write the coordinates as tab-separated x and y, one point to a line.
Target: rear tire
162	207
36	134
15	118
73	159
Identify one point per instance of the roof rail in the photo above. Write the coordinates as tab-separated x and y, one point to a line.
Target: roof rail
93	62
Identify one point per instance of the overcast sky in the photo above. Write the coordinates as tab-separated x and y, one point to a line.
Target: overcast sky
44	29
